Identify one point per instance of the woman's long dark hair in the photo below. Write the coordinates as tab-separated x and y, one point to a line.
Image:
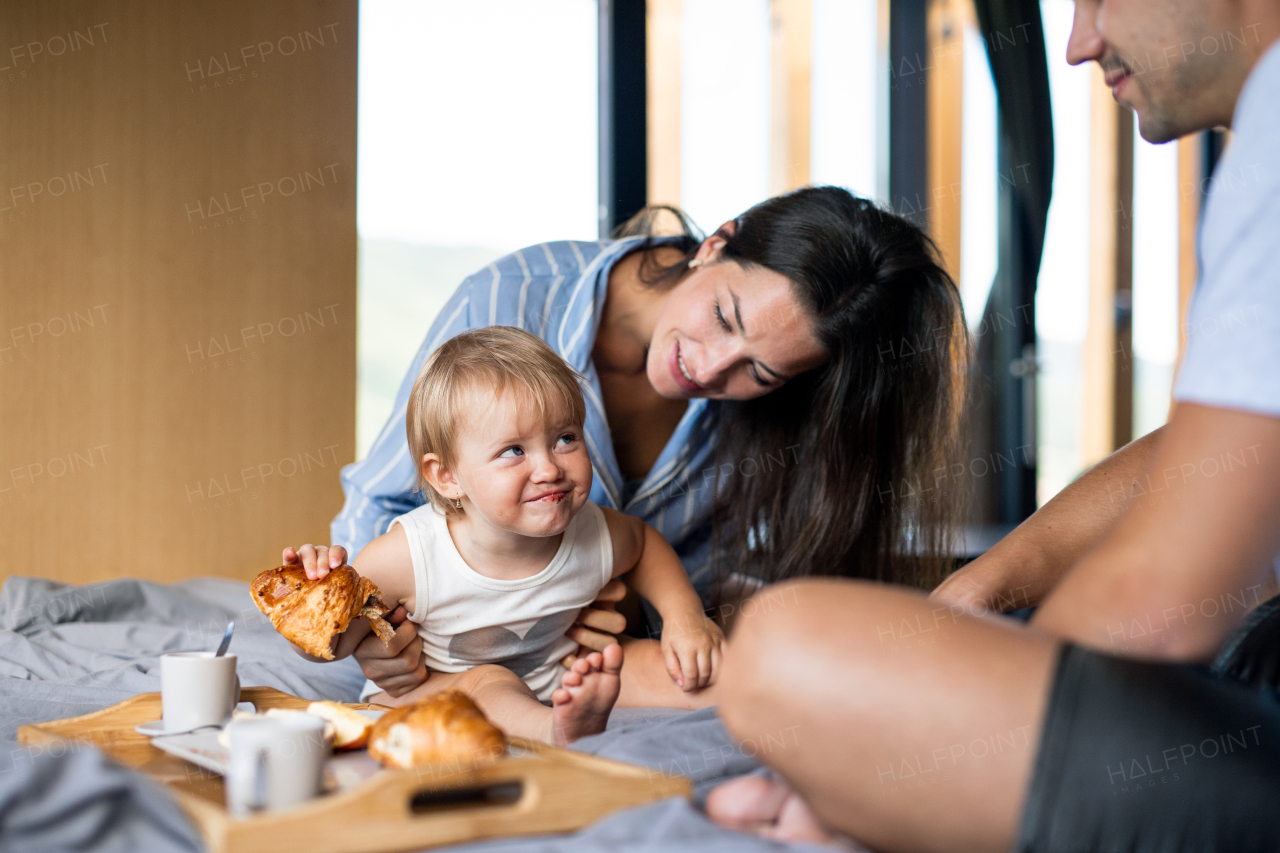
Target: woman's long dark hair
844	470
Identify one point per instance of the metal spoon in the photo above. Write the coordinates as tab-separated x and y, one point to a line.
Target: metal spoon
226	640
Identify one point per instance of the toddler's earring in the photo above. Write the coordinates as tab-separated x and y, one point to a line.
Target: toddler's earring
457	503
695	263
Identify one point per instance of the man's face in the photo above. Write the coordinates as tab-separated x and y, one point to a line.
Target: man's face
1179	64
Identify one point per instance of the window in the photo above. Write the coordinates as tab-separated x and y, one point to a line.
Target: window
477	136
844	122
1062	291
1155	281
980	232
724	108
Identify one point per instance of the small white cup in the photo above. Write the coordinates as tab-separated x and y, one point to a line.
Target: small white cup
275	762
197	689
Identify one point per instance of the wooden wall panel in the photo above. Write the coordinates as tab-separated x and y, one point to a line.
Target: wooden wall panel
790	101
1190	189
946	19
662	44
177	283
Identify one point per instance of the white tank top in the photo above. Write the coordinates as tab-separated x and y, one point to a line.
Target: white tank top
466	619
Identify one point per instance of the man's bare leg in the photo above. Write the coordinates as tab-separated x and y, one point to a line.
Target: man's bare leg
906	726
647	684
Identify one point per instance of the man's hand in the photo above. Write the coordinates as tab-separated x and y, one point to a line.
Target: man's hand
996	582
396	667
692	646
316	560
597	625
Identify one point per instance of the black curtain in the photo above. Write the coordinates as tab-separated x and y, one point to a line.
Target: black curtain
909	110
623	137
1004	422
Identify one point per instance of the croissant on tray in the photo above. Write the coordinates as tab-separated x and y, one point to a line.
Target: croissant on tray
310	613
446	728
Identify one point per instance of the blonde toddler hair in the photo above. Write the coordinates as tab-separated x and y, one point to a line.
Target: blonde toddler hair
489	361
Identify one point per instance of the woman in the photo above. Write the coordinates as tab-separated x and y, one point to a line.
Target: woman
774	398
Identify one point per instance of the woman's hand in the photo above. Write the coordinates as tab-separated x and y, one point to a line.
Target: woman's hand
598	624
317	560
396	667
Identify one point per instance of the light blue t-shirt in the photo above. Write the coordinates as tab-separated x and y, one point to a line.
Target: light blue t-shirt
1233	328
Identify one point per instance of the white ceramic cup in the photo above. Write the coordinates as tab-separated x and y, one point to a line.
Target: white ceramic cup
197	689
275	762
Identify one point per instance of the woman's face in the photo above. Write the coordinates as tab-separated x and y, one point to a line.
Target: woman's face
728	333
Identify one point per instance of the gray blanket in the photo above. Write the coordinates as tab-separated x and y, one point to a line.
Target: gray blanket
68	650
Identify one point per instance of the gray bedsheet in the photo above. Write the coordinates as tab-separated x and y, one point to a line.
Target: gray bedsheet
68	650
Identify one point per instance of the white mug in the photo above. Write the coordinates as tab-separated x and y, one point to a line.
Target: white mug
197	689
275	762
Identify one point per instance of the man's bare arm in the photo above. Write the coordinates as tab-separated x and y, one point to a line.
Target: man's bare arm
1021	569
1192	554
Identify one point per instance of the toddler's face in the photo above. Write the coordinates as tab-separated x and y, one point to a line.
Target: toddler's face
523	473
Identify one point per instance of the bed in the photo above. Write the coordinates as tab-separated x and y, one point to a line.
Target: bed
68	650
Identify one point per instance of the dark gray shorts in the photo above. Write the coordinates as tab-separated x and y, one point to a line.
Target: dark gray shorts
1155	758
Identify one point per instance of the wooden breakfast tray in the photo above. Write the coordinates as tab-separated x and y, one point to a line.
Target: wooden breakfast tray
535	789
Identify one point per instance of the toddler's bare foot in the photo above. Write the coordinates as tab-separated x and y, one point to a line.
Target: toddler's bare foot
582	704
771	810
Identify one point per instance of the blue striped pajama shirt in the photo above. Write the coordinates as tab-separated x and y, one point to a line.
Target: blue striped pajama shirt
557	292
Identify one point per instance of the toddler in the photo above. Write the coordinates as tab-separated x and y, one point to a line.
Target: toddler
497	565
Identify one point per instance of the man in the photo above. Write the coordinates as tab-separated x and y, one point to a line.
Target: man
912	724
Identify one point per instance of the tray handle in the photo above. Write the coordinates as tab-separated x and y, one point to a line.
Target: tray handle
503	792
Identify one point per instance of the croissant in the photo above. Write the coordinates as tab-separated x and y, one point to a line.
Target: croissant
445	728
350	727
310	613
